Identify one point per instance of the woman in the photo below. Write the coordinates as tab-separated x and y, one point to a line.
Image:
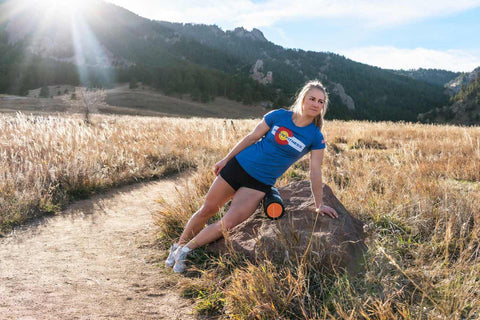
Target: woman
254	164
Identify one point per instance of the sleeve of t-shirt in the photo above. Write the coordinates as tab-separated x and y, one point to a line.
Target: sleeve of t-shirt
318	142
271	117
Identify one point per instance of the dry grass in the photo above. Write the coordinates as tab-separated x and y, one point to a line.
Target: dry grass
120	100
417	188
149	100
46	161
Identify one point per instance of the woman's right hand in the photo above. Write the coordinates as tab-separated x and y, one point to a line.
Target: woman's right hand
219	166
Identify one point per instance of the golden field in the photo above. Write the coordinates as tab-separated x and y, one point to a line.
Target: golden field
416	187
47	161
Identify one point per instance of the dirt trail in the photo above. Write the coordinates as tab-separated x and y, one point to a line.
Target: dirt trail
95	261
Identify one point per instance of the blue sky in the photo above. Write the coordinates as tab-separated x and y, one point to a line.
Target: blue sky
394	34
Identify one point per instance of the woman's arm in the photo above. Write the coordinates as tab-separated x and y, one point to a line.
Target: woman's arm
316	161
260	130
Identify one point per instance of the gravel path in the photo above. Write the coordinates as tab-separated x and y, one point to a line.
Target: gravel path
97	260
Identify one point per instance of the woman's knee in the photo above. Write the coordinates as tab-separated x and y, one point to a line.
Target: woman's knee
207	210
227	224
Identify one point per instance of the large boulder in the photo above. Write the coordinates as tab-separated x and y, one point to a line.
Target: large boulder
300	235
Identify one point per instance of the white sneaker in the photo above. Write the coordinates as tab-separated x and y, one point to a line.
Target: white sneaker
180	260
170	262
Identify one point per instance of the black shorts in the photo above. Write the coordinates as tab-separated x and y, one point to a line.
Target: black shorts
237	177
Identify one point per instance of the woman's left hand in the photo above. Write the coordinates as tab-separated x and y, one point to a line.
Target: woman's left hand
219	166
327	210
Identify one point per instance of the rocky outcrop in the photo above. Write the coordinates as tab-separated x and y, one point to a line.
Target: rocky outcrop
255	34
338	89
259	76
454	86
346	99
321	241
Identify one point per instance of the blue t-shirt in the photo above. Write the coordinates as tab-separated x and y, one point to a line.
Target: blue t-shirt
282	145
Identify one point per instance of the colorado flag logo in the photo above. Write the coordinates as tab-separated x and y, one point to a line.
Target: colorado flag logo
285	136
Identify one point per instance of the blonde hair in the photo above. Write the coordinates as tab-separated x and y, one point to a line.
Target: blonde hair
297	105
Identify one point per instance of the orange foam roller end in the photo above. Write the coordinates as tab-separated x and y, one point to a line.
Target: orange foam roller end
274	210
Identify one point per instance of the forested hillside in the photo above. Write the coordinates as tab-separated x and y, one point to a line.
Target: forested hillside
463	109
200	60
378	93
432	76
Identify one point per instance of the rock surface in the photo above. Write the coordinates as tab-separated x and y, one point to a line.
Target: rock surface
344	97
260	76
464	79
334	243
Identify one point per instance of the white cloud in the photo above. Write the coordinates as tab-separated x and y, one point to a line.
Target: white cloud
395	58
246	13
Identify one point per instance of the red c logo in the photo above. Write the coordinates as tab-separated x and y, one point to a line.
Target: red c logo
282	135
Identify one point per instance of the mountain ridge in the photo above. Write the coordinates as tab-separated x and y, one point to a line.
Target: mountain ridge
206	61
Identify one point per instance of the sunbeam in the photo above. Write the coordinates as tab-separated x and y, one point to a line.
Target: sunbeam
88	53
59	31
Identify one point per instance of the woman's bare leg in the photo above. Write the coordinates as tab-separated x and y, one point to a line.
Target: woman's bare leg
244	203
218	194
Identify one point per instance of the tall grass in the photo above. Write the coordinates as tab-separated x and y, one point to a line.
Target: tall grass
47	161
417	188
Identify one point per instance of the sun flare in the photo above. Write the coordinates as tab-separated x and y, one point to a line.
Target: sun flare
63	30
67	4
58	6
